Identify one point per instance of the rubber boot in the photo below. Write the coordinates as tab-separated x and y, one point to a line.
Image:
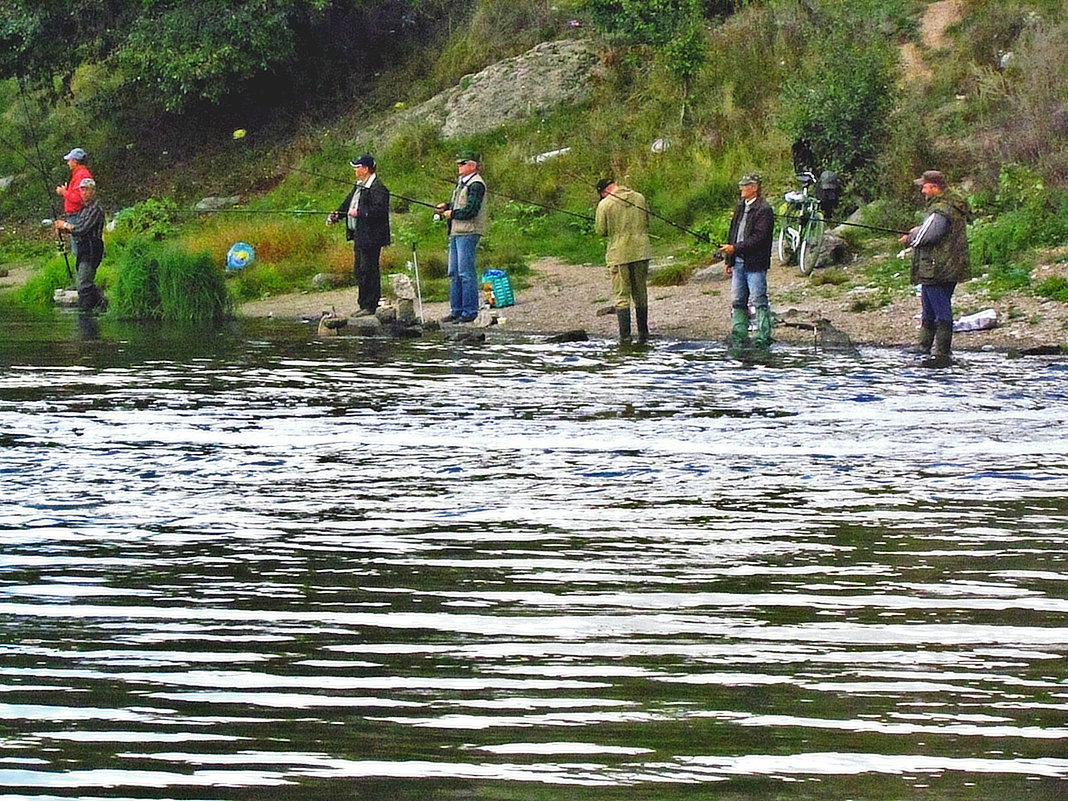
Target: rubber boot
642	315
623	318
740	327
86	299
927	335
763	316
943	345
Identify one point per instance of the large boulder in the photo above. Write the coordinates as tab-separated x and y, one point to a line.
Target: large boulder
549	75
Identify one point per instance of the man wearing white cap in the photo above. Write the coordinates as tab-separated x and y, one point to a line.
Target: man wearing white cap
86	228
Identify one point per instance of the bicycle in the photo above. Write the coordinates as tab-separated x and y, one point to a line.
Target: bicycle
801	230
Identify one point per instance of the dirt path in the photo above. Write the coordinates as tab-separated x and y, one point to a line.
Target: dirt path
936	19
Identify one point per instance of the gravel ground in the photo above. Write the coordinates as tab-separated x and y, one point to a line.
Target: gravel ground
564	297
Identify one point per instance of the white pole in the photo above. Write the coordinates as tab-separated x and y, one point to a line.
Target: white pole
418	288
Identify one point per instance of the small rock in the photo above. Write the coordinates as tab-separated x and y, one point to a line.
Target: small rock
574	335
216	203
329	280
65	297
713	272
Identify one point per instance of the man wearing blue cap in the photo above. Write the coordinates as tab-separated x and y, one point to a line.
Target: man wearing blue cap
366	213
72	193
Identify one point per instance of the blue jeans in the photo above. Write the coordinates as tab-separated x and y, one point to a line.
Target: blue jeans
748	287
463	280
936	304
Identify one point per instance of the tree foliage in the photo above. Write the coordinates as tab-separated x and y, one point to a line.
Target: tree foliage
674	29
181	53
837	102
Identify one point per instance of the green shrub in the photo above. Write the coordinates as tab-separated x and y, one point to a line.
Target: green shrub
40	288
1055	288
674	274
154	218
837	109
164	282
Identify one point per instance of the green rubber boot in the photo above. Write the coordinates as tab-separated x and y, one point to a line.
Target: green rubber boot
641	314
763	316
623	317
927	335
739	327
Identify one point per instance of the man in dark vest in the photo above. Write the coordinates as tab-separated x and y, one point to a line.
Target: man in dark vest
939	262
366	213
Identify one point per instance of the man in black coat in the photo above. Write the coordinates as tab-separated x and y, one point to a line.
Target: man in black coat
748	258
366	214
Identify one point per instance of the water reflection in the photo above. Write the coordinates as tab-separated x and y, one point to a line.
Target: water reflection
253	563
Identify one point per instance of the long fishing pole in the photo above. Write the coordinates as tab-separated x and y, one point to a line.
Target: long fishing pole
349	183
527	202
60	244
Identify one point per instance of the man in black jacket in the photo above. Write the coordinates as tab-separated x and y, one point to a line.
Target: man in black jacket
366	214
748	258
86	228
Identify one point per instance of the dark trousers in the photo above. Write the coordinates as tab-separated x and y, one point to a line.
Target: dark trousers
368	278
936	304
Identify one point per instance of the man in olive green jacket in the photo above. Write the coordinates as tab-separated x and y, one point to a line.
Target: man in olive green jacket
939	261
623	218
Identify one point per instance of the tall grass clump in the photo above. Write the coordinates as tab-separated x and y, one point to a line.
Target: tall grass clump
162	281
191	288
135	294
39	289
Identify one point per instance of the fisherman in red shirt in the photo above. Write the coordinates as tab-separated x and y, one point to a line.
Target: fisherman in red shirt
71	193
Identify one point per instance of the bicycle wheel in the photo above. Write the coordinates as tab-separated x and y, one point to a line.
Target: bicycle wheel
788	218
811	243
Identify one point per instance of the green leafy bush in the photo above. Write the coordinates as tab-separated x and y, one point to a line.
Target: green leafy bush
836	107
1055	288
153	218
157	281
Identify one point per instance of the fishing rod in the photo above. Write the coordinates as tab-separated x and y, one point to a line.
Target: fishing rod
61	245
699	237
847	222
489	191
349	183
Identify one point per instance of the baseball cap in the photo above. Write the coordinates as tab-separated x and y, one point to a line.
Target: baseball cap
749	179
86	182
469	155
77	154
931	177
603	184
366	160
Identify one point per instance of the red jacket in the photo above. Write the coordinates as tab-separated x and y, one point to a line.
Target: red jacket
72	194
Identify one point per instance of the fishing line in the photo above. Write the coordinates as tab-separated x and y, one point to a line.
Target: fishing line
846	222
527	202
60	244
350	183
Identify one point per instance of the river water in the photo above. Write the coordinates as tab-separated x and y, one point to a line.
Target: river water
250	564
